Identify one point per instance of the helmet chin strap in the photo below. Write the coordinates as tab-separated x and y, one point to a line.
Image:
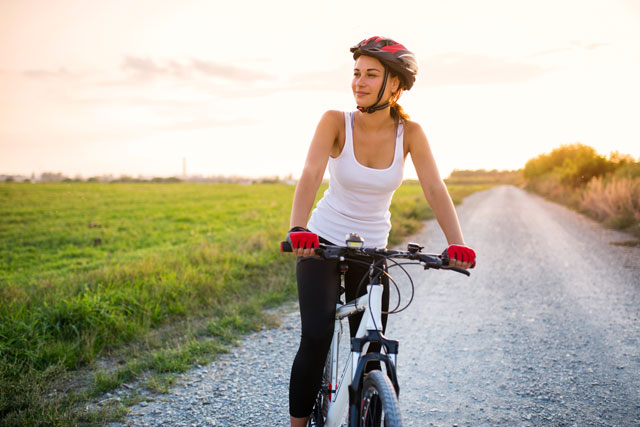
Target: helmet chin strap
373	108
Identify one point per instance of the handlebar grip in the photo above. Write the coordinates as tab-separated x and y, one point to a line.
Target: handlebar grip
285	246
456	269
446	266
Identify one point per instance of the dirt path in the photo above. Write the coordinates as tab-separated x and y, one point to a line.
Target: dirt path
545	332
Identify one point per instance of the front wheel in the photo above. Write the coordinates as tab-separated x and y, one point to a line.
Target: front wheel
378	402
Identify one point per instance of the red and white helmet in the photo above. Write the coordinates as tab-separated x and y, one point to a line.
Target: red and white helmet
394	55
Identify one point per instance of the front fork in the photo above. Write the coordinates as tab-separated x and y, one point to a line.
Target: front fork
370	331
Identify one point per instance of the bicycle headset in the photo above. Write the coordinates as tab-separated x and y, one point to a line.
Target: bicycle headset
393	56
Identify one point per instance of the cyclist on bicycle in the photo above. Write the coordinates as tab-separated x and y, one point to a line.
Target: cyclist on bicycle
365	151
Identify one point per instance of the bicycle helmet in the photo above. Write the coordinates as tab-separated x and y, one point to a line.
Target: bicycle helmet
392	55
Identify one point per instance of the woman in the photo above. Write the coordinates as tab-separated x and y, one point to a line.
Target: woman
365	152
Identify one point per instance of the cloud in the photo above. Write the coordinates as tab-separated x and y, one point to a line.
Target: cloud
227	71
145	69
576	46
462	69
148	69
209	77
207	123
141	65
45	74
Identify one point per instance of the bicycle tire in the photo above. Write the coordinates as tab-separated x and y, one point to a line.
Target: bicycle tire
378	402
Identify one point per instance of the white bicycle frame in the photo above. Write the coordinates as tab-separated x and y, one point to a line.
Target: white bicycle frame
338	397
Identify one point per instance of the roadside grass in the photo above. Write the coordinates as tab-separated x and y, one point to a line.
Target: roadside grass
130	281
612	200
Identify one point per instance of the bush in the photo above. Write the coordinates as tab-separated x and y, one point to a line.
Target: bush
628	170
580	170
575	165
607	189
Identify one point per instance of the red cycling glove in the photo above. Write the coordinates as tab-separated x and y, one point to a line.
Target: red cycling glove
462	253
302	239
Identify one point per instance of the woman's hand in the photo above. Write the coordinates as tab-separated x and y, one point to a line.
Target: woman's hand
461	256
304	252
302	241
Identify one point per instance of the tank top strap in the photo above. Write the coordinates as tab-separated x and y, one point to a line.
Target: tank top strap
399	154
348	131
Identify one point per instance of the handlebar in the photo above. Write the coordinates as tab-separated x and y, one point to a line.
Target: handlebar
331	252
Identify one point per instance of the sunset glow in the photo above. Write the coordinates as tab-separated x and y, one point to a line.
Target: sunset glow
236	88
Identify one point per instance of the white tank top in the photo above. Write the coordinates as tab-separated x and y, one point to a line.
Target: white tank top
358	197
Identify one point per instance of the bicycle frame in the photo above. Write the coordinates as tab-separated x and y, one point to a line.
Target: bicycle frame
370	329
347	390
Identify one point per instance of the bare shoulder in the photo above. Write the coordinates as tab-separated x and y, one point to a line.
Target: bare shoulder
413	129
332	119
330	131
414	135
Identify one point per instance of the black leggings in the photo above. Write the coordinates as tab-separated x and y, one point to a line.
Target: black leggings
318	287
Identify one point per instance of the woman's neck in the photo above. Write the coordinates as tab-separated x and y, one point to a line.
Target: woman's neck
374	121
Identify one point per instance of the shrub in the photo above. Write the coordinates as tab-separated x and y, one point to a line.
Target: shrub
628	170
575	164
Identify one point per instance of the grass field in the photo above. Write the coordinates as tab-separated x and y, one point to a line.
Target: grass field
150	277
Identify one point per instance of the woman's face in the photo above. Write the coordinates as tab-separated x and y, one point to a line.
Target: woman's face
368	74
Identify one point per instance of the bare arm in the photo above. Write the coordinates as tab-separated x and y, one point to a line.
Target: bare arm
322	144
433	187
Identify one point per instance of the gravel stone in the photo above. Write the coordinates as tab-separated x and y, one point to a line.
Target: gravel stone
545	332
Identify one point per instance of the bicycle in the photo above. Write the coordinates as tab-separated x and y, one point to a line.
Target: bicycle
372	397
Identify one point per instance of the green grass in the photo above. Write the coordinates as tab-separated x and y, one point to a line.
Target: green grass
154	276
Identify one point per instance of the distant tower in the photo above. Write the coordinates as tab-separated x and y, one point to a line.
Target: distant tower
184	167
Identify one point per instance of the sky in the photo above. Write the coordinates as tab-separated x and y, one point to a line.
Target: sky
237	87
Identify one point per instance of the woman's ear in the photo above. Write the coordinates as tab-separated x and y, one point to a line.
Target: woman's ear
395	84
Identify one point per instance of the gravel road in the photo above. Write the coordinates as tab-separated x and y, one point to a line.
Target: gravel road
545	332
